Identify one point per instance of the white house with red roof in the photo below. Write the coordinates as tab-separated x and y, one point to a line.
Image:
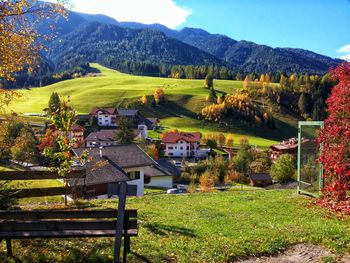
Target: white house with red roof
106	117
181	144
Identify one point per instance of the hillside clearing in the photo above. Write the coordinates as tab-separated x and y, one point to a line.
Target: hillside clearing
186	98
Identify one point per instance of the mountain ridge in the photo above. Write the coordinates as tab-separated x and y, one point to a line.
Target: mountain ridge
241	56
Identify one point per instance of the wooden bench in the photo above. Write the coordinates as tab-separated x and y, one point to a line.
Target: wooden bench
65	224
118	223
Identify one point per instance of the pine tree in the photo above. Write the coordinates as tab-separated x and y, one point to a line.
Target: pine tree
303	104
125	134
209	82
54	102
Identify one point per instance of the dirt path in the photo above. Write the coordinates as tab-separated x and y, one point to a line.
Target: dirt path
302	253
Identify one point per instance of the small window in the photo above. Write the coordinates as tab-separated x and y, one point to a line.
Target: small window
181	148
170	147
170	154
188	147
134	175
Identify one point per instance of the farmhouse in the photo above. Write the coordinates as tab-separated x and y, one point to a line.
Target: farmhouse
109	164
106	117
181	144
77	135
289	146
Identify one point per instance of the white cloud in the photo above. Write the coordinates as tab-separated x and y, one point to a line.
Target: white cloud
344	52
165	12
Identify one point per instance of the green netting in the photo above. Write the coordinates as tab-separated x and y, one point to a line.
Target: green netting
309	168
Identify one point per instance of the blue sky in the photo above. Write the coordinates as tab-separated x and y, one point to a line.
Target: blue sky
322	26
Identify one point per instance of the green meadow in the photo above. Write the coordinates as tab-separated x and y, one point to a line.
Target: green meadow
202	227
185	97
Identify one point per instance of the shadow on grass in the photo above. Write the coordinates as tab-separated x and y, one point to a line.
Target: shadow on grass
165	230
140	257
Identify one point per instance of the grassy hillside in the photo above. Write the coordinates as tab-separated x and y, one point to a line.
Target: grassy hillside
212	227
186	98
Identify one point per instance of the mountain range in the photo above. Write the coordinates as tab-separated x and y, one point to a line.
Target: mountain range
99	38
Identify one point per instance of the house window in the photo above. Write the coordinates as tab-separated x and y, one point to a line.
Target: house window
170	147
170	154
134	175
181	148
188	147
147	179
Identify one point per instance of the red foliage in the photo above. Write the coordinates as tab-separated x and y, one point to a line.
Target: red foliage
49	140
335	140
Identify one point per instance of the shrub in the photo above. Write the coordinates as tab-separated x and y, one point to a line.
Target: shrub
283	170
206	182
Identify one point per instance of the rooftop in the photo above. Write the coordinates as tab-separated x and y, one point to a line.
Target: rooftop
125	156
173	137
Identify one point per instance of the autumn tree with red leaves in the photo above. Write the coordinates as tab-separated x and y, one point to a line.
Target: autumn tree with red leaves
335	140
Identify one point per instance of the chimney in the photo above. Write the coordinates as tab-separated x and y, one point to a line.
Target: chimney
101	151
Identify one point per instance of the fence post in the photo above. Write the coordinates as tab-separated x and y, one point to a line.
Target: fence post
8	247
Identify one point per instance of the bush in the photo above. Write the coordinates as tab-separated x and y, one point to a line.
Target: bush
206	182
7	196
284	169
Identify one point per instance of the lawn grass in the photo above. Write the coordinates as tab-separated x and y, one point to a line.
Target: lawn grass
204	227
185	97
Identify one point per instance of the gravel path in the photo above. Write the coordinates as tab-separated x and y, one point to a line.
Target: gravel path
302	253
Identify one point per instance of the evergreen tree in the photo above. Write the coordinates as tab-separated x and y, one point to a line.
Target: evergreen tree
209	82
125	134
319	110
54	102
304	104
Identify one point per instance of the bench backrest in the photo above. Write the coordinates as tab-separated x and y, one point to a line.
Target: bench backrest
61	220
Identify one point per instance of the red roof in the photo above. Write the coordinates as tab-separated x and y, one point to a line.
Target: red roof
112	111
173	137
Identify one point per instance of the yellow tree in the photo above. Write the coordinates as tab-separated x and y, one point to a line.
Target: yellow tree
246	82
229	140
144	100
159	95
19	40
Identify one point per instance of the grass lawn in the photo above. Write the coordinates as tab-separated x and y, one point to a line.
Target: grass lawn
212	227
185	97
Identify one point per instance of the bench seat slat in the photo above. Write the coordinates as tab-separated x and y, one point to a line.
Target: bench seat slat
55	225
63	234
63	214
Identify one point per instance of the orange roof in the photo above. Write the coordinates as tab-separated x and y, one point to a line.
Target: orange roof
111	111
173	137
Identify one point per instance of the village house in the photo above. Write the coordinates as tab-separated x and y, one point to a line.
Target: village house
105	117
76	134
289	146
107	165
108	117
181	144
